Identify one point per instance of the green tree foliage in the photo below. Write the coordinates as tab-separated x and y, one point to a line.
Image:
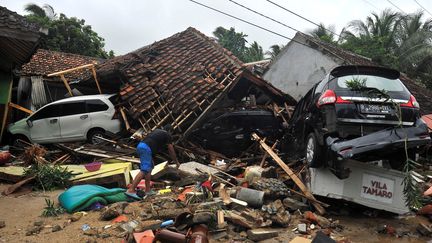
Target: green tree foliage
236	43
274	51
401	41
66	34
254	53
324	33
231	40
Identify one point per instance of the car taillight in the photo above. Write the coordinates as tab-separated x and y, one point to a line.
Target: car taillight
328	97
339	100
412	102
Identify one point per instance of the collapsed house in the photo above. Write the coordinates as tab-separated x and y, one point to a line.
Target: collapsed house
183	78
18	40
305	60
37	88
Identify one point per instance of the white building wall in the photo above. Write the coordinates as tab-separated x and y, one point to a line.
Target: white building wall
298	68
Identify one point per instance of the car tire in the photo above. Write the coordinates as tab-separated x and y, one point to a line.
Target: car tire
93	134
312	151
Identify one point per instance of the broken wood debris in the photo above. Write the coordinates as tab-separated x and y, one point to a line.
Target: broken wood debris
290	173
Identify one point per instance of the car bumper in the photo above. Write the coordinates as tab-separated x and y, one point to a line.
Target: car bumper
381	143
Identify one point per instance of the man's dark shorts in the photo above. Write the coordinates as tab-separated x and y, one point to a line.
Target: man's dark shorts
145	155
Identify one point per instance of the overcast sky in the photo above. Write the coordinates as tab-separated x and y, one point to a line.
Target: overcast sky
127	25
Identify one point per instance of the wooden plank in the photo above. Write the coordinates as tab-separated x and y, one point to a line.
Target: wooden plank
105	156
95	78
266	154
290	173
209	107
70	70
220	217
13	105
287	110
6	109
66	84
123	114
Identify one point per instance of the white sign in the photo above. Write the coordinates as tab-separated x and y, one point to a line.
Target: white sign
377	188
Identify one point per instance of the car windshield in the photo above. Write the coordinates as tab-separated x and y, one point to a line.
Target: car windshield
369	81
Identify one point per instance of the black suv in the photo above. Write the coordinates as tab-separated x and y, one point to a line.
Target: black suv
230	132
353	113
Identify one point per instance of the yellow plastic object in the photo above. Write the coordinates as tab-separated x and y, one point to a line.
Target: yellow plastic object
163	191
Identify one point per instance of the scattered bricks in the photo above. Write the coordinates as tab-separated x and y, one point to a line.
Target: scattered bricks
292	204
320	220
216	204
33	230
129	226
387	229
38	223
169	213
302	228
261	234
109	214
2	224
56	228
219	235
424	230
150	225
76	216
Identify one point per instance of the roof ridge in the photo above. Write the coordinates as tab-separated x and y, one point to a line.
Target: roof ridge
30	26
68	54
328	45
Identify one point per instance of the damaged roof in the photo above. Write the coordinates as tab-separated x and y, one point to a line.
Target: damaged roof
342	54
422	94
186	70
18	39
44	62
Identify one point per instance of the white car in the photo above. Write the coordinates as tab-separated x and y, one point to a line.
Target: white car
72	119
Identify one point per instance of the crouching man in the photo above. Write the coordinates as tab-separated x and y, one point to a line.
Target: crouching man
147	148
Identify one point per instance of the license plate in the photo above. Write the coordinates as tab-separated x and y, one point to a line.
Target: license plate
375	109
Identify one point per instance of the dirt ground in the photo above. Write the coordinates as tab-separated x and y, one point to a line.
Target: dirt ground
20	213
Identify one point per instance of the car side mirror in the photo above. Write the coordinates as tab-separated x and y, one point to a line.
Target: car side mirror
29	123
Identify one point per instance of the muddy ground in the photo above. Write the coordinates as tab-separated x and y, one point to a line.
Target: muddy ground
20	213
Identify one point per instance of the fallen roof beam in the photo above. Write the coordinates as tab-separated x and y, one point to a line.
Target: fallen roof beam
70	70
290	173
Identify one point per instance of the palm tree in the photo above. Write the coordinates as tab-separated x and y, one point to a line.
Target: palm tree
43	15
254	53
45	11
324	33
415	48
381	26
274	51
231	40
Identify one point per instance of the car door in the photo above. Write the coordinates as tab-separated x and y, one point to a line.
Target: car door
74	121
45	126
98	112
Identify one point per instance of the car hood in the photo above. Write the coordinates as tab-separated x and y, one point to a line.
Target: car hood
19	123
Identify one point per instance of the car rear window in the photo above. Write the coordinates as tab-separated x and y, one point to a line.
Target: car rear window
381	83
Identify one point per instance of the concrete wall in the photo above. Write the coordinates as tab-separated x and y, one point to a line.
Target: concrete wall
298	68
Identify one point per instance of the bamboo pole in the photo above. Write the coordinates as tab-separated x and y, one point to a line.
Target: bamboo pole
13	105
66	84
95	78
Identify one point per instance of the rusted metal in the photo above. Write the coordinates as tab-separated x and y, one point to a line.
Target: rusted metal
168	236
199	234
